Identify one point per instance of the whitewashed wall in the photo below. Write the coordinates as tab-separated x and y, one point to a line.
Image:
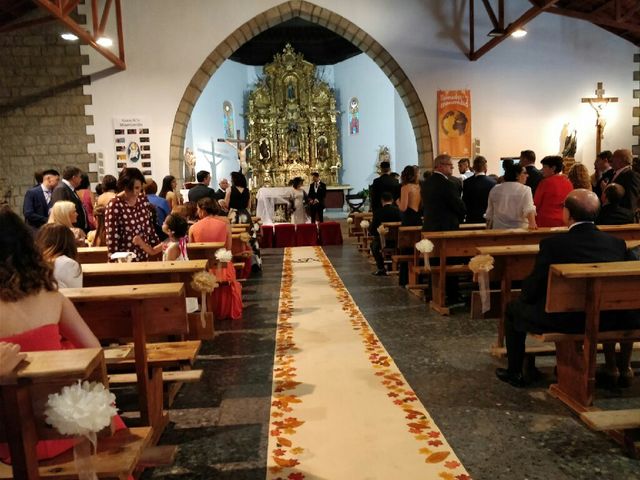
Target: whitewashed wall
522	92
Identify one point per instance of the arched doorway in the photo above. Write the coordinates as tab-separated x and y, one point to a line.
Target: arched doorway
328	19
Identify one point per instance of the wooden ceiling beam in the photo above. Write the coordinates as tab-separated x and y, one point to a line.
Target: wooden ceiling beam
70	6
601	20
621	17
492	15
526	17
57	9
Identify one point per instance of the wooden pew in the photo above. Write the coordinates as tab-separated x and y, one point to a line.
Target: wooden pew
391	237
204	251
141	312
590	288
93	255
22	400
464	243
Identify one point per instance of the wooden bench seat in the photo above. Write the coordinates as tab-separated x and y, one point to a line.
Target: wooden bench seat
163	354
601	421
182	376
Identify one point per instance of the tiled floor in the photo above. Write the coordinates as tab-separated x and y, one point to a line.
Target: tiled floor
221	423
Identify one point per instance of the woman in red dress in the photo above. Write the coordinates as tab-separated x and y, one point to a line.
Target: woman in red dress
551	192
227	298
35	315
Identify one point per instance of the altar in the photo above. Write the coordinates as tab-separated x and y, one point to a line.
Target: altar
272	200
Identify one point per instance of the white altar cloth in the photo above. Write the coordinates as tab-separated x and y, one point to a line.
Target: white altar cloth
268	197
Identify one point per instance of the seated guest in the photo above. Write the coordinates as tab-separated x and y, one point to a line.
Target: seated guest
583	243
109	190
579	177
58	248
611	212
475	191
387	213
551	192
37	200
510	204
202	189
211	225
35	315
64	213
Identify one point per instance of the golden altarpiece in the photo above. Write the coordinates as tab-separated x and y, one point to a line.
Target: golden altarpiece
292	120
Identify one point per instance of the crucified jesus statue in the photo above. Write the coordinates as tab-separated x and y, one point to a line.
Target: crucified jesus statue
241	149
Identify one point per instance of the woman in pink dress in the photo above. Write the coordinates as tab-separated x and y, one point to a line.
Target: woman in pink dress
35	315
551	192
227	298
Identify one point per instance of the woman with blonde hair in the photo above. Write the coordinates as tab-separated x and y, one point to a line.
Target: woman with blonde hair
58	248
64	213
579	177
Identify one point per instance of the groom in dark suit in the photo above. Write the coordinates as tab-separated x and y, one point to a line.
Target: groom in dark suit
583	243
442	206
475	191
66	190
315	198
37	200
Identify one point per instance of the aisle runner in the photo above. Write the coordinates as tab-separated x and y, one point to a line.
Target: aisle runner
340	407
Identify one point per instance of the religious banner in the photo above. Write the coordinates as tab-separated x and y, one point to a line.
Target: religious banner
354	116
133	143
454	122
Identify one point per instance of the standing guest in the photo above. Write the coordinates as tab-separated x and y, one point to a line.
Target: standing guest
58	248
64	213
464	170
37	200
475	191
238	198
534	176
202	189
109	190
169	191
222	190
128	215
510	204
629	179
388	213
611	212
409	206
161	204
603	172
583	243
443	208
88	200
579	177
551	192
317	194
384	183
66	190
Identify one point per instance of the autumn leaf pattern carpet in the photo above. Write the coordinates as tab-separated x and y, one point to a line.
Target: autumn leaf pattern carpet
341	409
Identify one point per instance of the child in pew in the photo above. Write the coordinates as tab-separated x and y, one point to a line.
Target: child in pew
58	248
173	249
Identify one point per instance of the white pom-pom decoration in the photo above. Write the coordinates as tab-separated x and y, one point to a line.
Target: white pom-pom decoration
481	263
424	246
382	230
364	224
81	409
349	220
223	255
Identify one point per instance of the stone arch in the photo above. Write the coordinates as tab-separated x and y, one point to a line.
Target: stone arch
328	19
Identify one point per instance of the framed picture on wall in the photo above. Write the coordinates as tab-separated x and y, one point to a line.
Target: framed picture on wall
132	136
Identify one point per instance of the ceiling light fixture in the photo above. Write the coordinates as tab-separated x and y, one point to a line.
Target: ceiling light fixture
519	33
69	37
104	41
496	32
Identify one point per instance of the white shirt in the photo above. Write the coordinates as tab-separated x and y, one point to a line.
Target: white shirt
465	175
509	205
67	272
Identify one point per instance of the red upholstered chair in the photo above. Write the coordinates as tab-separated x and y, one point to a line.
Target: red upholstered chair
267	236
330	233
306	235
285	235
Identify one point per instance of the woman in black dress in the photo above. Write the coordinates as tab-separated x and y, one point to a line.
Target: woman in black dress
238	199
409	206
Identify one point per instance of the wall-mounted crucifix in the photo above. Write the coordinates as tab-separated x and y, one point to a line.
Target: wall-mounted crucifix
241	147
598	103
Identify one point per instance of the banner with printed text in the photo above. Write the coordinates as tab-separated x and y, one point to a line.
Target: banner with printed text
454	122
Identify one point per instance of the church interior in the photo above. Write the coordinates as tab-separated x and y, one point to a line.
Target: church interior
260	345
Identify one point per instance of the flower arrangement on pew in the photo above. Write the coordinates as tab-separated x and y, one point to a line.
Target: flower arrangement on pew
223	256
82	409
205	283
349	220
364	224
425	247
481	265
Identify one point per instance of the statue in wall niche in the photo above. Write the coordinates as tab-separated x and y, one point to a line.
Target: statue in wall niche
568	141
190	164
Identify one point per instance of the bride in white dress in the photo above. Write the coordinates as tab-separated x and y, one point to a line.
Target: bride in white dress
297	199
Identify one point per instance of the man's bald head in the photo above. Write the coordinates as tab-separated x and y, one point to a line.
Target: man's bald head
582	206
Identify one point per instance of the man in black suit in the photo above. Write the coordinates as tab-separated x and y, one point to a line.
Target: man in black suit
624	175
387	213
442	206
384	183
222	191
534	176
603	172
201	190
66	190
611	212
475	191
583	243
37	200
315	198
